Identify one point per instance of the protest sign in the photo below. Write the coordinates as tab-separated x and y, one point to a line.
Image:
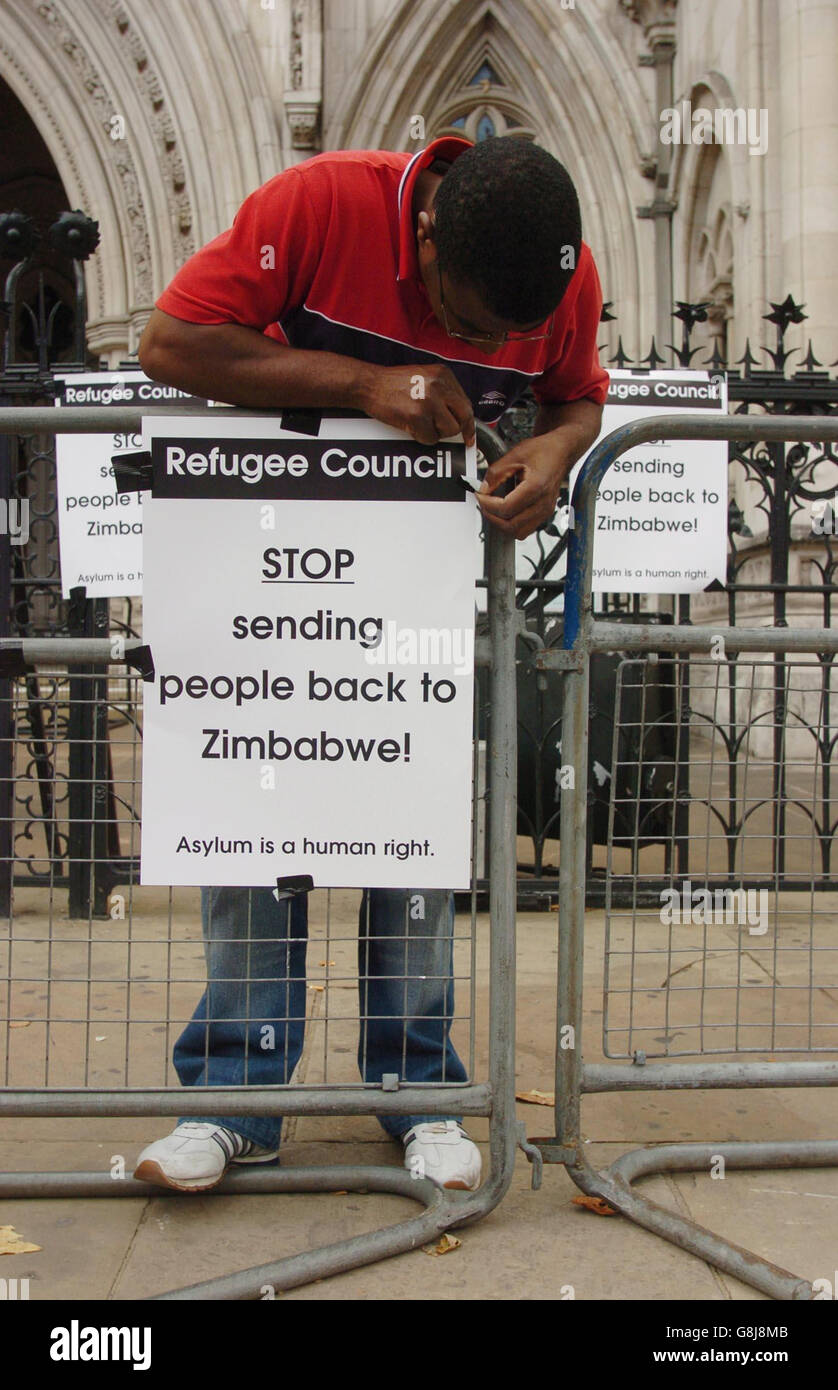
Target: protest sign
309	603
661	514
100	531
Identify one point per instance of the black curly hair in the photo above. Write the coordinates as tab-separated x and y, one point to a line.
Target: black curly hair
507	221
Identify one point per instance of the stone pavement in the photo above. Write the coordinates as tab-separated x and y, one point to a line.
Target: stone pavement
532	1247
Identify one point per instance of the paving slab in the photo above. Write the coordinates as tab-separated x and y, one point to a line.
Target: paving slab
789	1217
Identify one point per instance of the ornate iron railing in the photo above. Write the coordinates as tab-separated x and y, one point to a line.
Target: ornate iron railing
790	488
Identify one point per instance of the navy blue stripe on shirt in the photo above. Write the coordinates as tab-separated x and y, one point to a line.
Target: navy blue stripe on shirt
491	390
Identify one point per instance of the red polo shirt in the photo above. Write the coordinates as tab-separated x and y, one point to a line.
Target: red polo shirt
323	256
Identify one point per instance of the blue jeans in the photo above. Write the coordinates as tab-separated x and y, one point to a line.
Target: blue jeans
249	1024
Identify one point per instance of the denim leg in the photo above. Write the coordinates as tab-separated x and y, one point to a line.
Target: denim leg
248	1026
406	991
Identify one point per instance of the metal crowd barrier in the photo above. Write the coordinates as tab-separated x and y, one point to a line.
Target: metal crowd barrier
89	998
706	1003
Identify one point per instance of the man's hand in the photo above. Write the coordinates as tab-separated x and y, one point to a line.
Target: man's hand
541	465
426	401
540	468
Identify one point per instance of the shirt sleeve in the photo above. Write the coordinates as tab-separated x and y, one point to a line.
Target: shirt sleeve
261	268
575	372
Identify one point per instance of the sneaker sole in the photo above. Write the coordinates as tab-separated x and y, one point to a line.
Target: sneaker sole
150	1171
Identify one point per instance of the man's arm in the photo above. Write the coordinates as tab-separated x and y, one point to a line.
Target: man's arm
562	434
234	363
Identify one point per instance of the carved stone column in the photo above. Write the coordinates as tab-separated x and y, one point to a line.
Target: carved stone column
658	20
304	91
805	132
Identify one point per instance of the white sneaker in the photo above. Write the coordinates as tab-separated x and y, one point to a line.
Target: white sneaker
442	1151
195	1157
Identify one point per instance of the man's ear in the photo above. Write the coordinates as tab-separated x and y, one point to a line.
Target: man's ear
425	238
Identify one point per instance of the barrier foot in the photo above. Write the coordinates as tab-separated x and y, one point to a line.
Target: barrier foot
444	1209
614	1185
265	1281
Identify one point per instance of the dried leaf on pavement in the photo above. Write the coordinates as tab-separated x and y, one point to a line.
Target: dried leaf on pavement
13	1243
536	1097
443	1245
596	1204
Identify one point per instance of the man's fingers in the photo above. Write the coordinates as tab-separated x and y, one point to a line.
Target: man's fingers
527	507
440	426
529	521
531	492
507	527
497	473
445	417
424	431
522	525
456	409
467	425
455	401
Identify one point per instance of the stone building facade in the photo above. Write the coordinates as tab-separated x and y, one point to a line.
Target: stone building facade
158	117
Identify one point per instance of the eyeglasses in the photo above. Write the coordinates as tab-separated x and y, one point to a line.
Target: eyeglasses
511	337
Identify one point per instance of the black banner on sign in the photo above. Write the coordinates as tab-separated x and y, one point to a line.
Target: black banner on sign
122	394
658	391
308	469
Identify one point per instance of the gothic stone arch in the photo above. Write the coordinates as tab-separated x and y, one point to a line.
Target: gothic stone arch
567	78
108	86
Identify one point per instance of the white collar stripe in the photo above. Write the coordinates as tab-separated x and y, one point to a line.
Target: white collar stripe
405	175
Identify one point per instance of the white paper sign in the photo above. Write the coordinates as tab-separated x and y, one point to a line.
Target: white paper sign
100	531
661	514
309	603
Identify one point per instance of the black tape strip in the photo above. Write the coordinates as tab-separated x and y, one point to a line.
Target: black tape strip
11	659
302	421
292	884
132	471
76	607
142	659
